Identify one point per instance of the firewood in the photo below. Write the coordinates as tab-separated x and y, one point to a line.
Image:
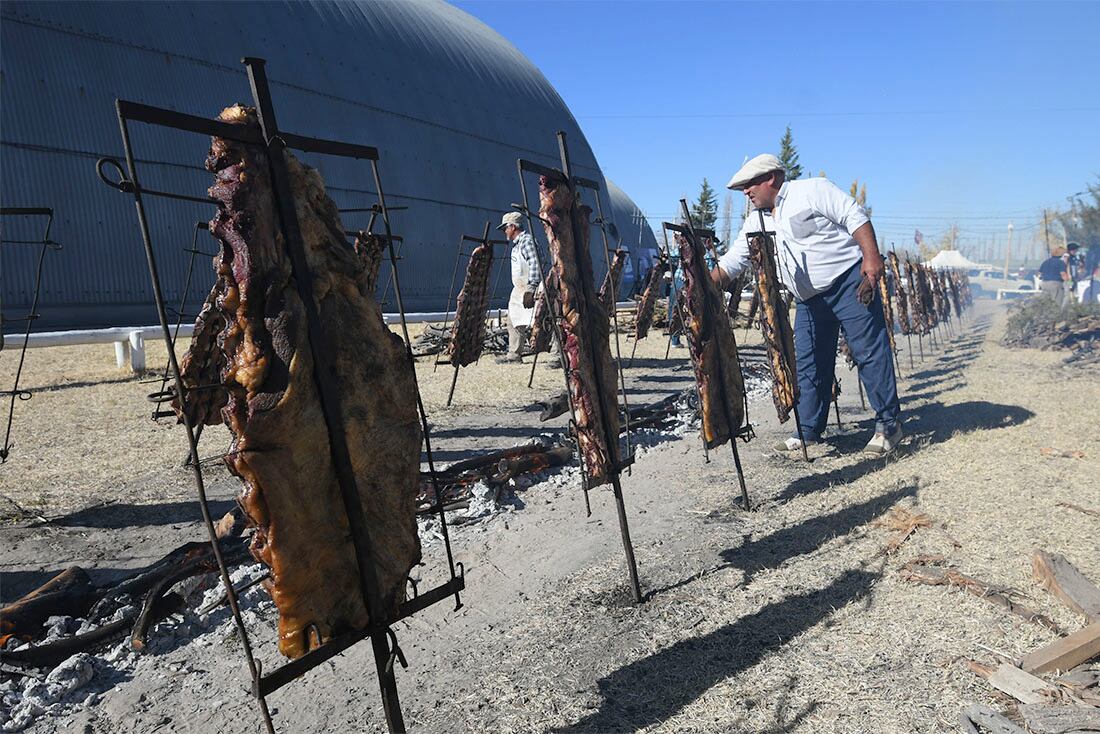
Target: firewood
1058	576
987	718
554	406
1022	686
51	653
934	576
1048	719
70	592
1068	652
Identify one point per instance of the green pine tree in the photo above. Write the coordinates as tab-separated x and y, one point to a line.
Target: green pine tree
705	210
788	156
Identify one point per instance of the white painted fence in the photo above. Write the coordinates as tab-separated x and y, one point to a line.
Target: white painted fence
129	341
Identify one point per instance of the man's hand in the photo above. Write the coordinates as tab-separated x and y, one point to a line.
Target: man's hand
719	278
873	266
528	299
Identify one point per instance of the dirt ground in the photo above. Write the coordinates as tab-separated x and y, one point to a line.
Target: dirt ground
789	618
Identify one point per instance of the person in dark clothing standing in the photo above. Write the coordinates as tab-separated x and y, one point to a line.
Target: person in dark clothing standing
1053	276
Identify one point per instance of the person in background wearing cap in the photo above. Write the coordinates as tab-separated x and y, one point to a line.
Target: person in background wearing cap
827	257
526	277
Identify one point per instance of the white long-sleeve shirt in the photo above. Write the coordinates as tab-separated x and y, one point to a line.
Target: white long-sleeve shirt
813	221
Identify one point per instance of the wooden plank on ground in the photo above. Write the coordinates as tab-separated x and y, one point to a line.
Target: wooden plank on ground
1024	687
1048	719
990	720
1058	576
1068	652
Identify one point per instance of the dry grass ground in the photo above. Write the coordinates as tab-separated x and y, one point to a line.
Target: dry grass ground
86	435
791	618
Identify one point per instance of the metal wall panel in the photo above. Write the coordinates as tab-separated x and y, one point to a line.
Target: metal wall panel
449	103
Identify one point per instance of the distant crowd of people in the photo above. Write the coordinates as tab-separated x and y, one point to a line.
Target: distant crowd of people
1071	275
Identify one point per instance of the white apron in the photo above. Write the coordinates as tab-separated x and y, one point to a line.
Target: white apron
517	314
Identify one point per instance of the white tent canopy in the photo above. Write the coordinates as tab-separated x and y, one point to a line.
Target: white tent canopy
952	259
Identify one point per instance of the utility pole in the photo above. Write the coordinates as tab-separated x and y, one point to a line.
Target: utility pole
1046	232
1008	253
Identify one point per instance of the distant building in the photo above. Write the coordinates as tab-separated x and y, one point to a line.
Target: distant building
449	103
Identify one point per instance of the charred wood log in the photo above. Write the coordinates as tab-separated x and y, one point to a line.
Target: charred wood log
775	325
52	653
468	329
71	592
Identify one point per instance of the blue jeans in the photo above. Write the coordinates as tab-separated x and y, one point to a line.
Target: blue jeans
817	323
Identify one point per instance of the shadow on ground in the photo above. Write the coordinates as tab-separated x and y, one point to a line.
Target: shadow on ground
127	515
655	688
932	423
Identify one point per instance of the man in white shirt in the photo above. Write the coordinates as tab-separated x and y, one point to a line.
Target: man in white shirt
825	248
526	277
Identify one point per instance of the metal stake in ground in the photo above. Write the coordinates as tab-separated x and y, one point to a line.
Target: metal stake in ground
769	254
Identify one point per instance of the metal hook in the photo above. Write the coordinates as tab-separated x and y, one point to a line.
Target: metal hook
123	184
395	652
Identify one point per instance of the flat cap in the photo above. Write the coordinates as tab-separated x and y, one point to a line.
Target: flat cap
758	166
511	218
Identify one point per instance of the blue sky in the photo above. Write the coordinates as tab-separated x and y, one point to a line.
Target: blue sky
974	113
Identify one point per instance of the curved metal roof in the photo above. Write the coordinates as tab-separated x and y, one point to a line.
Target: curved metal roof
449	103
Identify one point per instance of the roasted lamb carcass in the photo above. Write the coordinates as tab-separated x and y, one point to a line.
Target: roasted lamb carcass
280	448
652	291
585	330
904	318
468	329
542	321
713	352
887	312
775	325
202	365
371	249
609	291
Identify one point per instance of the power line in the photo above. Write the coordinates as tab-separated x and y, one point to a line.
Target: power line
860	113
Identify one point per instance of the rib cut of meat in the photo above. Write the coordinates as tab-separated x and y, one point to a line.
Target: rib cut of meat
887	312
585	329
280	447
370	248
713	352
646	306
468	329
902	297
609	291
775	325
542	321
919	307
202	365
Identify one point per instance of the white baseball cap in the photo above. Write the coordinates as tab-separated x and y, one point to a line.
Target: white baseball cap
511	218
758	166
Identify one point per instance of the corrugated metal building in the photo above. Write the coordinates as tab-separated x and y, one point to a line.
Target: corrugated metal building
449	103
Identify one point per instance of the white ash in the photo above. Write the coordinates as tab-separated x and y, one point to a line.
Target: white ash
78	683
